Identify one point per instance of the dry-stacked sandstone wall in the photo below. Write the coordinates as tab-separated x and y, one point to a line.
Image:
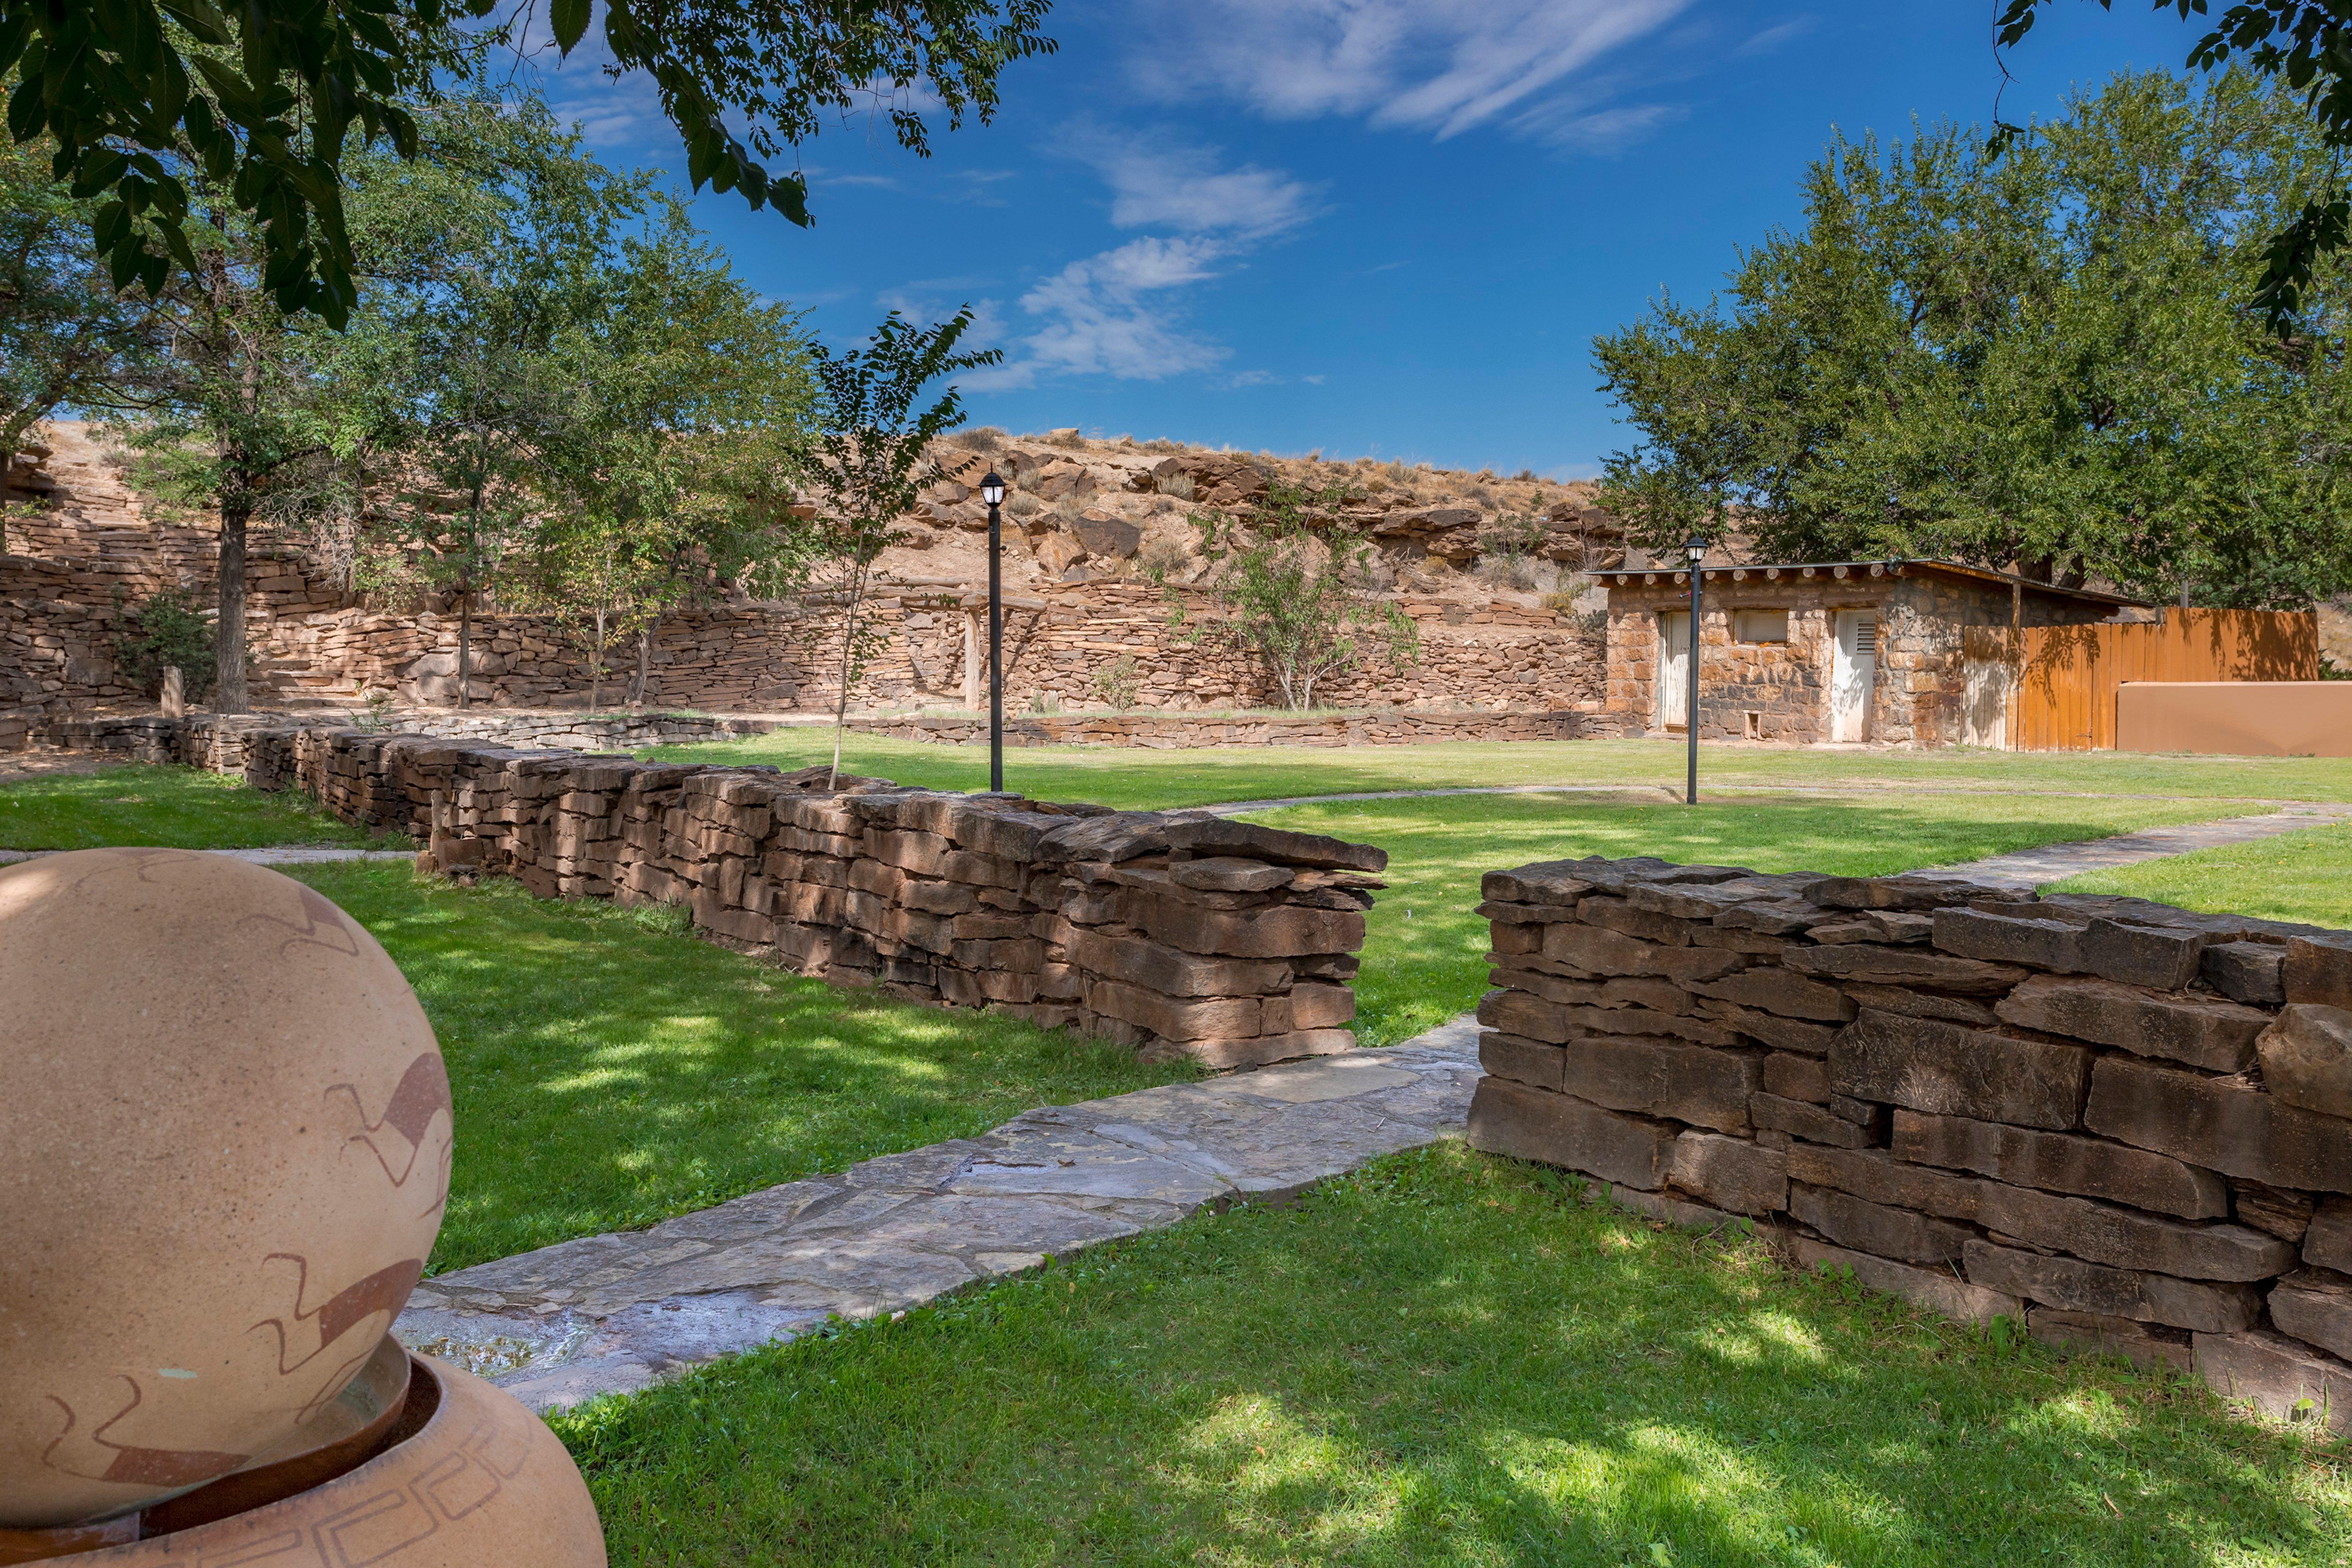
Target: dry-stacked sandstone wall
1180	935
2128	1125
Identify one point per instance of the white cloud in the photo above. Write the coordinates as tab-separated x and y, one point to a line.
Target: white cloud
1441	66
1121	312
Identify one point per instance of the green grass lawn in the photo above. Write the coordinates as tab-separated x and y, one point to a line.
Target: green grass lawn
610	1072
1442	1359
1424	951
139	803
2305	876
1137	777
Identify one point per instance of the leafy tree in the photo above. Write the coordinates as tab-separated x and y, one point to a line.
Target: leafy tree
165	630
67	338
2307	46
2044	359
698	397
139	96
1284	600
869	462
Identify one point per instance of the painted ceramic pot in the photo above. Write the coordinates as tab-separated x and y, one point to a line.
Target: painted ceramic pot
225	1134
470	1480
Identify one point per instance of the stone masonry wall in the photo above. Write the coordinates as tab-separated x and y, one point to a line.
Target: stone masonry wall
2128	1125
1180	934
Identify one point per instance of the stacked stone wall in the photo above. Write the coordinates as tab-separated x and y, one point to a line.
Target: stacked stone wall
2128	1125
1180	935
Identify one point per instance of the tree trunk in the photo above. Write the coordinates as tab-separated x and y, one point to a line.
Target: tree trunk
841	697
7	461
229	695
596	664
466	644
646	660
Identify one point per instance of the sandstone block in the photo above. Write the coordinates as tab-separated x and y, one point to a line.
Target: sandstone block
1633	990
1667	1209
2251	972
2062	1162
1793	1077
2127	1238
1267	1049
2095	1333
2202	1031
1689	1083
1522	1061
1282	931
2222	1125
2039	944
1875	1228
2077	1285
2274	1210
1229	874
1781	1034
1800	1119
1212	1019
1617	915
2314	1305
2319	970
1903	966
1947	1070
1508	1118
1731	1173
1314	1006
1211	836
2329	1241
1778	991
2282	1378
1598	951
2306	1058
1935	1289
2162	958
1549	882
1553	988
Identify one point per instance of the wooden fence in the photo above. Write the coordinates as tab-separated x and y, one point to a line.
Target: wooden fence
2057	684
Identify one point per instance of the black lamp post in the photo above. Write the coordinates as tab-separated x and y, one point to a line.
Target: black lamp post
992	490
1697	553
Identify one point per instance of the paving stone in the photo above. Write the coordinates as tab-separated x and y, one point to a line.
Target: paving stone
2077	1285
2064	1163
2221	1124
2095	1333
1730	1173
2049	945
1948	1070
2281	1378
2202	1031
2314	1305
1937	1290
1508	1118
2306	1058
1877	1229
619	1312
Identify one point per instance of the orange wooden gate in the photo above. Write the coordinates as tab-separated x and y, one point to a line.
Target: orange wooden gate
2062	690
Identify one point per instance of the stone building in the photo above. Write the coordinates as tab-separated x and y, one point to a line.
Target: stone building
1852	651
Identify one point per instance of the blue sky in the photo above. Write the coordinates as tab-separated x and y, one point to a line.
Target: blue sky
1386	226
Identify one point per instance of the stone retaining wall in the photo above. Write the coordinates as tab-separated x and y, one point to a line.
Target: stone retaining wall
2126	1124
216	741
1178	933
1176	731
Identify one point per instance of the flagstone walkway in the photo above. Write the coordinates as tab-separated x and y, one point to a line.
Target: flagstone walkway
612	1313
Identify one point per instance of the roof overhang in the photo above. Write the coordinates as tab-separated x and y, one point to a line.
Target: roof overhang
1859	572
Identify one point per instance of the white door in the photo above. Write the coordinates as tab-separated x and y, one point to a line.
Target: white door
1985	716
1673	670
1853	669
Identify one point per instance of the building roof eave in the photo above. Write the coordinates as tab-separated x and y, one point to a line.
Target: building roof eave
1860	572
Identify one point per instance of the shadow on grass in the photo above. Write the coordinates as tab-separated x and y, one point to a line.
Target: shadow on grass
1443	1359
610	1072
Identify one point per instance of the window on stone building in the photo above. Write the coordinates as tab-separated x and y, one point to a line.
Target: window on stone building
1761	625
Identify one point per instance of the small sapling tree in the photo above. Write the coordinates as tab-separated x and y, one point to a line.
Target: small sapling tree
871	464
1286	603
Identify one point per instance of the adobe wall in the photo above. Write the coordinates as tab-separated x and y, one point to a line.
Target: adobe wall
1921	679
1178	933
2128	1125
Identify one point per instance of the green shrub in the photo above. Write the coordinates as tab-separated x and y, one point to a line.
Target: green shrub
167	628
